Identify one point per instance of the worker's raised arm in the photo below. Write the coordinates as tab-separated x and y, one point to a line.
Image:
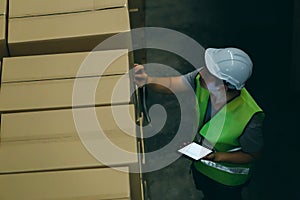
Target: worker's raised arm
159	84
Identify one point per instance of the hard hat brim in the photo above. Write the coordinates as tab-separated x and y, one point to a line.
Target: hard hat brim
210	63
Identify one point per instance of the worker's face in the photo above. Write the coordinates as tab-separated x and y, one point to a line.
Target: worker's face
211	82
215	87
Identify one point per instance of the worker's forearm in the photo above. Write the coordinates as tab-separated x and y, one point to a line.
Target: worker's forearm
166	84
233	157
160	84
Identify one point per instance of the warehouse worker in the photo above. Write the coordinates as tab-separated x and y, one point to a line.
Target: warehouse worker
221	97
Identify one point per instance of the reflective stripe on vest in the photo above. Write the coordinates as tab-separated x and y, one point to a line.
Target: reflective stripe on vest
231	170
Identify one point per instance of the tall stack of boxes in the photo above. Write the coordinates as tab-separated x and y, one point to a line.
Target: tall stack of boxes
41	153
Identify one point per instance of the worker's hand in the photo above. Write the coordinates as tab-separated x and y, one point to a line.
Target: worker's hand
140	76
215	156
210	156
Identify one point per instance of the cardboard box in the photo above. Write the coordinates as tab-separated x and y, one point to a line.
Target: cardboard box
60	123
54	66
103	183
21	8
41	95
65	33
3	7
49	140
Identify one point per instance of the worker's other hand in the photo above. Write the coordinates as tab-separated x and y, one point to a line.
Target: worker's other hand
215	156
140	76
210	156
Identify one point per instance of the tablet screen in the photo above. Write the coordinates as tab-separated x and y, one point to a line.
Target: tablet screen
195	151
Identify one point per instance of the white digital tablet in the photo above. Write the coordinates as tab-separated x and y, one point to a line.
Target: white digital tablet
195	151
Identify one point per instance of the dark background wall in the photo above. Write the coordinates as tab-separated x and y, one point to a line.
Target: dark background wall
269	31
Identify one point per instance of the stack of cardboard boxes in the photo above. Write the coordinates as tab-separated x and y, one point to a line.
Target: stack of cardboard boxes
42	155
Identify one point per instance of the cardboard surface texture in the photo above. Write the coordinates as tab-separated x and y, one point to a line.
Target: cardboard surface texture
53	66
41	95
49	140
3	7
65	33
98	4
21	8
104	183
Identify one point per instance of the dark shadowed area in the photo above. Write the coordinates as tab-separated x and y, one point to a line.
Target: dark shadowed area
269	32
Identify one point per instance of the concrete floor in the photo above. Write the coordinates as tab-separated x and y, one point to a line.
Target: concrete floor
216	24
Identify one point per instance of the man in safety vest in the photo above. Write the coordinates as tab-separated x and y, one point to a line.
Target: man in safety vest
230	121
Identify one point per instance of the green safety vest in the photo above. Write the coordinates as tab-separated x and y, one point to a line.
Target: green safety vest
223	131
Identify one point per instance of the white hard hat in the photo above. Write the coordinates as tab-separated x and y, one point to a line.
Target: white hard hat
230	64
